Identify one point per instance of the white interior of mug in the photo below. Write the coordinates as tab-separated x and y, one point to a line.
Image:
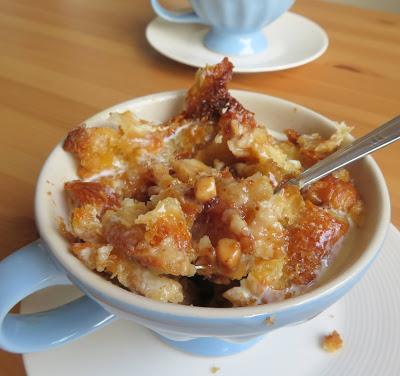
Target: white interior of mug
358	249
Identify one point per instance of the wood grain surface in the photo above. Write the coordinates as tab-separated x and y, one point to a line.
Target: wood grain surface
62	61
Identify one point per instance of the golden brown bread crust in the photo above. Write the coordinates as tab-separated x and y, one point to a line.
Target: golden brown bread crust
209	99
95	148
93	193
313	147
209	94
310	240
338	194
103	259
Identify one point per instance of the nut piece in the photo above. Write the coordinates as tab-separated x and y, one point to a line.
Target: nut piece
228	253
332	342
205	188
187	169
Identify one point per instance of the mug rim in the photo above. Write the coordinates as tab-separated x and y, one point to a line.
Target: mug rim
101	289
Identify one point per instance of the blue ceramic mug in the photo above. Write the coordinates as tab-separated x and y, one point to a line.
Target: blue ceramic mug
199	330
236	25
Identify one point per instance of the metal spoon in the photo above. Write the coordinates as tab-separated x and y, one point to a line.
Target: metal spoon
378	138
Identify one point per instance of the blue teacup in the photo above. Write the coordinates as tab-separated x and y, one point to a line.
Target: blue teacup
236	25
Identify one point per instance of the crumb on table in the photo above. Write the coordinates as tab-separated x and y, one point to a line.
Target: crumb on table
214	369
269	321
332	342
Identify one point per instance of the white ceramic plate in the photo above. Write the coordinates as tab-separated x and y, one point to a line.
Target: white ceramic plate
293	41
367	319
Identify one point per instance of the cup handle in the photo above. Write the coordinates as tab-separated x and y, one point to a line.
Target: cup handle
28	270
180	17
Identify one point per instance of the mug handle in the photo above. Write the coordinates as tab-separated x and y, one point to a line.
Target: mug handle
31	269
180	17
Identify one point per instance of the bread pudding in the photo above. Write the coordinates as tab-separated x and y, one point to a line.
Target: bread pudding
185	211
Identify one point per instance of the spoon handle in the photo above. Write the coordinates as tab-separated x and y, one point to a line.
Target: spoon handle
378	138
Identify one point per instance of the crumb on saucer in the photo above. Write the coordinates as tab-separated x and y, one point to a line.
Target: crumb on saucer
332	342
269	321
214	370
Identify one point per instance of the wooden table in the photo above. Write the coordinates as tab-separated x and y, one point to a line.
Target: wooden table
61	61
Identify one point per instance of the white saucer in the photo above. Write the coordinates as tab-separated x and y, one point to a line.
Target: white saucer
293	40
367	319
